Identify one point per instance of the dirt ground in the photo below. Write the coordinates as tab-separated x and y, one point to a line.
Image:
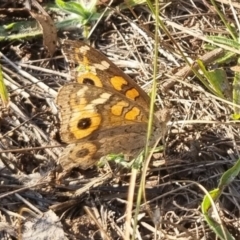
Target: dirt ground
200	143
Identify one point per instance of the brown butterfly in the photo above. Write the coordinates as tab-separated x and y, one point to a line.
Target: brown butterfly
102	111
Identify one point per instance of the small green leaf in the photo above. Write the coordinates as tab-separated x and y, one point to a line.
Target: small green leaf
217	80
117	158
213	196
72	7
9	26
235	116
206	203
230	175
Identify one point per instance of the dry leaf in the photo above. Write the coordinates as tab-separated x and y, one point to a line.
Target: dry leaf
49	31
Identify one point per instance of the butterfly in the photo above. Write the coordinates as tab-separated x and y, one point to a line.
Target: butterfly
102	110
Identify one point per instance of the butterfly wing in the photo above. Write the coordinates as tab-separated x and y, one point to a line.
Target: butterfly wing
96	121
85	154
89	66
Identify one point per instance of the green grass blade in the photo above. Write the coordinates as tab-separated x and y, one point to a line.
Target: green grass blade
227	57
229	175
225	41
236	94
220	231
3	90
225	21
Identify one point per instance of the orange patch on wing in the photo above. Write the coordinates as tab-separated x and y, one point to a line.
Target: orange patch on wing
132	94
117	82
117	109
132	114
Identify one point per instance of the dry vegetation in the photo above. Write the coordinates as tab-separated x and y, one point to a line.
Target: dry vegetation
201	142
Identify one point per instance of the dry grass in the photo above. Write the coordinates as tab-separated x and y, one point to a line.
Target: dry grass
201	142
